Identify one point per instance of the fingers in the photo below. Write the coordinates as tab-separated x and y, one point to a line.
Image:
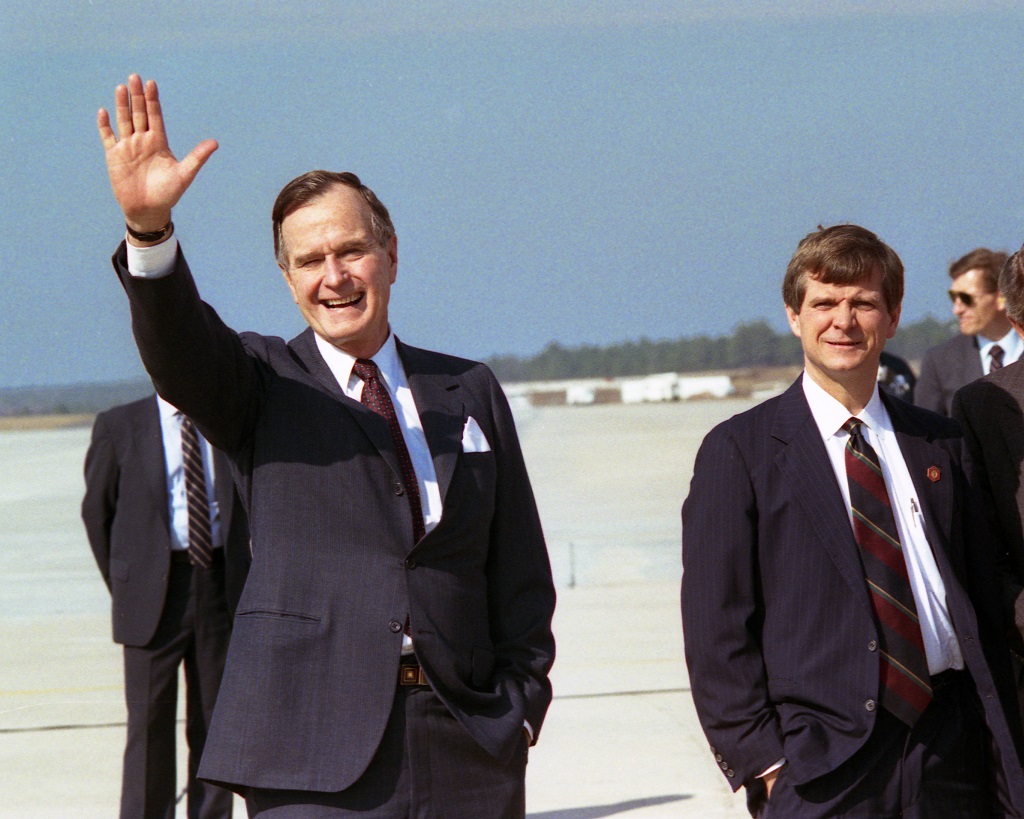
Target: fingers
123	111
106	132
137	95
192	163
153	111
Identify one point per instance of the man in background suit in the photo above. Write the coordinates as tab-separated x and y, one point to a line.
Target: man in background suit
991	412
986	339
838	613
168	609
391	649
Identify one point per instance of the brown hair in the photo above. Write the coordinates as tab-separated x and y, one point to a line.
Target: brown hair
989	262
842	254
304	189
1011	285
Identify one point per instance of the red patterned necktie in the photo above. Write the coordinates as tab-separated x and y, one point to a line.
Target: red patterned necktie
906	685
996	354
200	539
375	396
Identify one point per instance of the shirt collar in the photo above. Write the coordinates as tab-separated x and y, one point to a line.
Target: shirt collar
386	359
167	409
830	415
1011	344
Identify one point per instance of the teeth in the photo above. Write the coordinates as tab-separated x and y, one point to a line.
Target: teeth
342	302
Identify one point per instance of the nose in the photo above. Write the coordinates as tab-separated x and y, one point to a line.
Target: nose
958	307
843	316
335	271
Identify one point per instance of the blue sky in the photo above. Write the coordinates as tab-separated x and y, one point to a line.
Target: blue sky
580	172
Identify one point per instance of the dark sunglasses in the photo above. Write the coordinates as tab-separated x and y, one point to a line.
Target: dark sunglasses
965	298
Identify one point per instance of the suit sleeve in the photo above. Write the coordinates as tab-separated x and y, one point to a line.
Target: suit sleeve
928	389
521	595
723	612
100	502
978	476
197	362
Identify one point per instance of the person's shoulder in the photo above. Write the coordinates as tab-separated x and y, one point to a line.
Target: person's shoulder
1006	380
758	420
920	421
432	362
951	346
131	409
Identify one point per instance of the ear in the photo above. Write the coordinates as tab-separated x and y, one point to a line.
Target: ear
392	250
894	321
1001	302
794	320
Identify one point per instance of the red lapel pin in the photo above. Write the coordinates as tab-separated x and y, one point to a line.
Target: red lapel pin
933	474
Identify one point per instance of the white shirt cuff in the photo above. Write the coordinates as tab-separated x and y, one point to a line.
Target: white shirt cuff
152	262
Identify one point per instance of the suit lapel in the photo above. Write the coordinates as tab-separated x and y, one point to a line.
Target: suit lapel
807	470
932	475
375	427
438	397
149	439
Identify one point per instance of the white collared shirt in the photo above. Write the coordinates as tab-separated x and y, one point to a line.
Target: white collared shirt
393	374
1012	345
177	500
940	643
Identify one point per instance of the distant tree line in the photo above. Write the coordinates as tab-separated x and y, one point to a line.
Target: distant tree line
751	344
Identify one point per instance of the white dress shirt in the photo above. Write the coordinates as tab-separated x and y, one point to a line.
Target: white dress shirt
392	373
1011	344
177	500
940	643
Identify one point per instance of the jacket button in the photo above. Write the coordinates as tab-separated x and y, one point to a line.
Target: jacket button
870	705
399	489
395	626
872	646
730	773
718	757
410	563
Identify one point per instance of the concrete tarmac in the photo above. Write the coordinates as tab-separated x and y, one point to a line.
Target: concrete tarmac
621	738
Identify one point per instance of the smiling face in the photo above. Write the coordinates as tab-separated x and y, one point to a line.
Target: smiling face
340	275
843	330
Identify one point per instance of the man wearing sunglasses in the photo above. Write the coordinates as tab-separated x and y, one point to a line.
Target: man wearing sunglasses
989	411
986	341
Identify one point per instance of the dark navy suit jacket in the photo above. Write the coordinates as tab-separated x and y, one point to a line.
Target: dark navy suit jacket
127	521
779	631
313	661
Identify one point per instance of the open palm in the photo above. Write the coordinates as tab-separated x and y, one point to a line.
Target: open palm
146	177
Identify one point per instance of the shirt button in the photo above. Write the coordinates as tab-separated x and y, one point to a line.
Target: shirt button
395	626
872	646
870	705
399	489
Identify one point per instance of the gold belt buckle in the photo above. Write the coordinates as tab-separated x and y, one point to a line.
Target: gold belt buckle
411	675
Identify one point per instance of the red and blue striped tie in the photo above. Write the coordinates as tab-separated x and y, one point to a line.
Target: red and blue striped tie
906	686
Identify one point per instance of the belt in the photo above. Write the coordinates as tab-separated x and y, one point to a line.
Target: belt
409	674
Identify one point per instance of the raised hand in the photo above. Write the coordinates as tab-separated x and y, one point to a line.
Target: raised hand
147	179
